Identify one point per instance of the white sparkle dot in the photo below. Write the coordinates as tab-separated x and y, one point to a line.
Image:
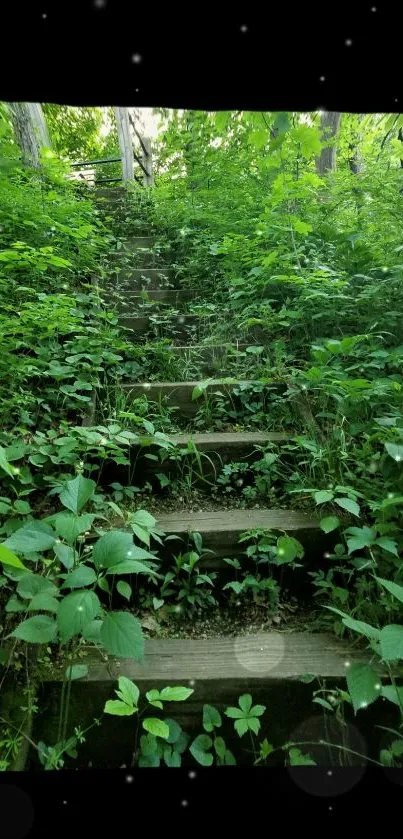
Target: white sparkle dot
129	779
244	28
80	609
136	58
192	683
192	775
181	319
280	551
64	802
137	89
398	458
364	704
373	9
184	803
347	663
391	494
44	16
326	556
330	808
129	553
99	4
330	773
348	42
396	100
378	686
147	385
322	78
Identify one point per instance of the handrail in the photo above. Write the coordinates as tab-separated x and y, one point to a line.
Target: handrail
94	162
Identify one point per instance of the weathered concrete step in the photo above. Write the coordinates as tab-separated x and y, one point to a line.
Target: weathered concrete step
220	448
177	328
266	655
229	441
220	531
169	296
266	665
179	394
137	278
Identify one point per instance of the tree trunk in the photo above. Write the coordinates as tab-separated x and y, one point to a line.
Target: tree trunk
147	161
329	126
30	130
125	143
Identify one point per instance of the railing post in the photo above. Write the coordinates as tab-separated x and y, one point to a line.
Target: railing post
147	161
125	143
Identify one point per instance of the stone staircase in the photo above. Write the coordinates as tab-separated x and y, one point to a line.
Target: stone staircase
132	287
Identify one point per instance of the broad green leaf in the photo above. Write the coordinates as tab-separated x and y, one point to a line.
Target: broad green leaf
363	684
258	138
172	758
43	602
69	526
131	566
387	545
80	577
245	702
241	726
76	671
41	629
323	496
329	523
112	548
31	584
391	641
76	610
121	635
307	678
128	691
220	747
288	549
92	630
393	694
298	759
76	493
393	588
32	537
175	731
211	718
4	464
349	505
124	589
15	605
395	450
7	557
359	538
358	626
257	710
200	750
175	694
148	745
234	713
118	708
157	727
253	724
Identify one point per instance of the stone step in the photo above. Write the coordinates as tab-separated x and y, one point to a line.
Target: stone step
178	328
179	394
220	448
268	665
220	531
168	296
138	278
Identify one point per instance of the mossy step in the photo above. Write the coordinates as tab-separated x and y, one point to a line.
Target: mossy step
220	448
220	531
179	394
170	296
266	655
267	665
137	278
177	328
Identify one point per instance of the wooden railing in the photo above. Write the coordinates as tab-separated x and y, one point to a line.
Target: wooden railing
144	162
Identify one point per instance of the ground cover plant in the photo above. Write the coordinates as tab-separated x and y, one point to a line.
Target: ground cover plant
290	235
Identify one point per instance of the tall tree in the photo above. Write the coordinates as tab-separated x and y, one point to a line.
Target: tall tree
329	126
30	130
